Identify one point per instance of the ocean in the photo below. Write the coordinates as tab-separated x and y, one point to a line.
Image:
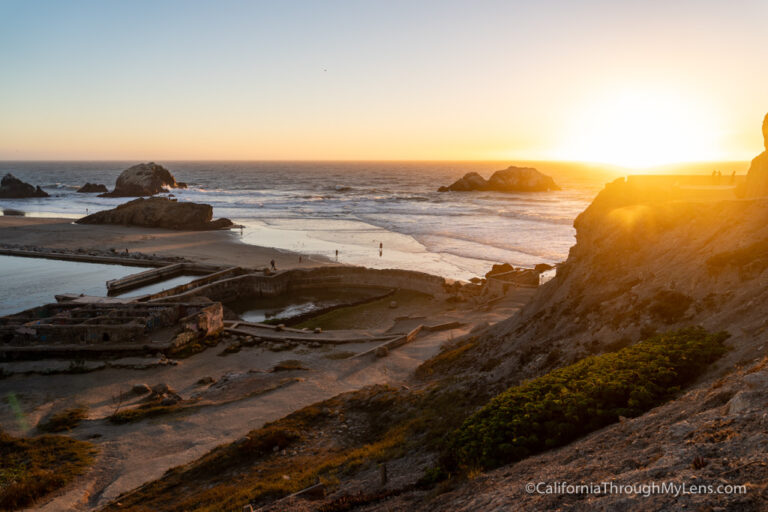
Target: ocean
353	207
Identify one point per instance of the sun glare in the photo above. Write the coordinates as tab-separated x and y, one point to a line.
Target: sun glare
640	129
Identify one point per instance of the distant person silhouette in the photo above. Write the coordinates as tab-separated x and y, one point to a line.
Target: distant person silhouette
272	264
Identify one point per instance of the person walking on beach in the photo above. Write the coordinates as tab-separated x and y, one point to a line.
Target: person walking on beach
272	264
337	255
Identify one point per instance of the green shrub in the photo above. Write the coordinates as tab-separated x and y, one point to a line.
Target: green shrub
570	402
64	420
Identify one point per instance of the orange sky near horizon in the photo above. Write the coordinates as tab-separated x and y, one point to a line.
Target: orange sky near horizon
632	84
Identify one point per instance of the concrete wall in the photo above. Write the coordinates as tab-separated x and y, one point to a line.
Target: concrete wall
78	324
260	285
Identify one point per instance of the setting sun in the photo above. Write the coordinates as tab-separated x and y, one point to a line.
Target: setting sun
643	128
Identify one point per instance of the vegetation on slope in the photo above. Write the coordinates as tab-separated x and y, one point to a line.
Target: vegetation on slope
64	421
32	467
280	458
575	400
332	440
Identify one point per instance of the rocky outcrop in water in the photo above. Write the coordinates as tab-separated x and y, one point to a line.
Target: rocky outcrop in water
511	179
160	212
468	182
12	187
92	188
144	180
757	176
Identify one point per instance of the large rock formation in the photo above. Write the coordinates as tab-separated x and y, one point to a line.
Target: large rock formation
12	187
159	212
470	181
757	176
144	180
511	179
92	188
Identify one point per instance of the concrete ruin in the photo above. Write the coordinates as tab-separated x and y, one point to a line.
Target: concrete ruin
156	322
71	328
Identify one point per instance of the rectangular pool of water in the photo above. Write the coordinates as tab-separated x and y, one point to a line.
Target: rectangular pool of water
259	309
29	282
158	286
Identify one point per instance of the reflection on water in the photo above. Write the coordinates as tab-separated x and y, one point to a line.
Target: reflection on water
159	286
29	282
259	309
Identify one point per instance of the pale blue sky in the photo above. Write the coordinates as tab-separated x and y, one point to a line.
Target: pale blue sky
379	80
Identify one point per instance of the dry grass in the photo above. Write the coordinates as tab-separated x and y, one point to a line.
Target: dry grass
148	410
31	468
275	460
289	365
445	360
65	420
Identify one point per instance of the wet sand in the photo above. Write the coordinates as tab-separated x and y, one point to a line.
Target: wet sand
222	247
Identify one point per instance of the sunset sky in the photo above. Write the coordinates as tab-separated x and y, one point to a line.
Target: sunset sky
623	82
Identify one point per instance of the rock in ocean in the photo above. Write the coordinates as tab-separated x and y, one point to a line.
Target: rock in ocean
144	180
12	187
92	188
511	179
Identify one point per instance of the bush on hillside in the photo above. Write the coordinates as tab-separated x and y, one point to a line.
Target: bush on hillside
570	402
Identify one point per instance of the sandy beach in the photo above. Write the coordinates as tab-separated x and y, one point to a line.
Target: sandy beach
222	247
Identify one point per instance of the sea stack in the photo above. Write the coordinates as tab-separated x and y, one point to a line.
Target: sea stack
160	212
12	187
757	176
144	180
511	179
92	188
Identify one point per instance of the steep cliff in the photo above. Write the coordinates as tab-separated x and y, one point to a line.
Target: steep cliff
757	176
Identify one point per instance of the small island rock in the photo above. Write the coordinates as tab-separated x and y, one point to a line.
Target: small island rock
470	181
12	187
92	188
511	179
144	180
159	212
